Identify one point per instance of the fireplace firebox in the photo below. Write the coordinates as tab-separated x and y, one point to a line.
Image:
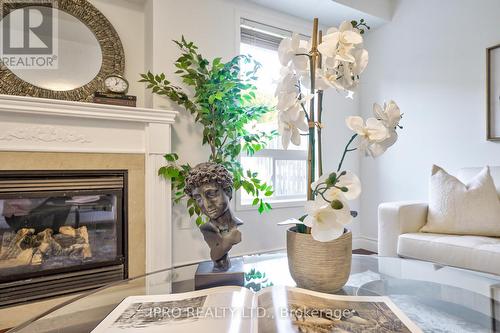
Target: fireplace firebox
61	232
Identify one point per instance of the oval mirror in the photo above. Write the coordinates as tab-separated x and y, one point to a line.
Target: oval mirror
79	55
86	49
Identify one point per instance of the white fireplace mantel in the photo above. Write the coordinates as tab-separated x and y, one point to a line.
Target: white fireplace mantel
46	125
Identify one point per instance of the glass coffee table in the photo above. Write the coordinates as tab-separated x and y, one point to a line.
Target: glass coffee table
437	298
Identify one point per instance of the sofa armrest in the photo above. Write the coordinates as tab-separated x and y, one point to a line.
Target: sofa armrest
397	218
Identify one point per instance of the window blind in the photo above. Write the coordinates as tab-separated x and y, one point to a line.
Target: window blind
262	35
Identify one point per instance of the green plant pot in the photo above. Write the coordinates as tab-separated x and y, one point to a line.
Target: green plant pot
319	266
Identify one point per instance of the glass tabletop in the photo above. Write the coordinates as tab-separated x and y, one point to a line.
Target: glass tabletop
437	298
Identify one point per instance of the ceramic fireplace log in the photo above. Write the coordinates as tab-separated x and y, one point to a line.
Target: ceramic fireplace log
26	248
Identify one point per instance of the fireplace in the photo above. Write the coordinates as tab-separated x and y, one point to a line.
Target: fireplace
61	232
46	134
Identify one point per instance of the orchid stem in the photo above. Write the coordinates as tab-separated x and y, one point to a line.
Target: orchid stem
346	150
302	104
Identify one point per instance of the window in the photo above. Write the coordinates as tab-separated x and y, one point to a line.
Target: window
286	170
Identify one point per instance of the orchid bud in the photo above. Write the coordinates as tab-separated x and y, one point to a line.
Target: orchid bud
332	178
337	204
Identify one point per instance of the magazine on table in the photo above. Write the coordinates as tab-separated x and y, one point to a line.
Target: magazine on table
274	310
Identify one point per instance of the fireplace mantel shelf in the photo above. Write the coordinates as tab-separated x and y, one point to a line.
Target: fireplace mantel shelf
60	108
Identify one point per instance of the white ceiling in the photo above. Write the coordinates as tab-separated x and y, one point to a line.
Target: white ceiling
333	12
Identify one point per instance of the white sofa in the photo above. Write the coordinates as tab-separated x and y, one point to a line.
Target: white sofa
398	235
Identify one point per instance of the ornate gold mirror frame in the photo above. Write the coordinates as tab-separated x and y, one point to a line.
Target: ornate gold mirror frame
113	58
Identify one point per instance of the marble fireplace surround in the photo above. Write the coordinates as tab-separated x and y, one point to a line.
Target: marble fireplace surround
45	134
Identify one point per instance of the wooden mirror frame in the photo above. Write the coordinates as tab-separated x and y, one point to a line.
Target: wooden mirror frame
113	57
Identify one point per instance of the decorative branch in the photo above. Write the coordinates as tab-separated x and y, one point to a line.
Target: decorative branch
311	152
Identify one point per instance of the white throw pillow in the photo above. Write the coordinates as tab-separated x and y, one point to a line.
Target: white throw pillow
463	209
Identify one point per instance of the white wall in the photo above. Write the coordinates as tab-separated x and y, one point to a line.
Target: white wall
431	60
214	27
371	10
127	17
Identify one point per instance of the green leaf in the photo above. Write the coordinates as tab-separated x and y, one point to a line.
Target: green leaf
249	187
199	221
172	172
163	172
261	207
171	157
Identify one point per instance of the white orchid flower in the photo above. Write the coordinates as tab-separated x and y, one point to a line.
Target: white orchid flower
374	130
288	50
335	75
349	180
360	61
288	96
321	82
287	83
382	147
325	222
289	127
338	43
352	183
293	106
373	149
286	100
334	81
348	79
343	75
285	50
319	181
340	78
371	135
390	116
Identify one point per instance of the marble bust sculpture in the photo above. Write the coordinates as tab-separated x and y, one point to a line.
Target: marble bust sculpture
211	186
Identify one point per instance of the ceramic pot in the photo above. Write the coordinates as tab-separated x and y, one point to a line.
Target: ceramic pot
319	266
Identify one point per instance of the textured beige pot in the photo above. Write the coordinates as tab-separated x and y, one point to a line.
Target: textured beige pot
319	266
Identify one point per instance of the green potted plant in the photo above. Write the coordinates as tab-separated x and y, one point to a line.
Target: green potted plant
319	247
221	99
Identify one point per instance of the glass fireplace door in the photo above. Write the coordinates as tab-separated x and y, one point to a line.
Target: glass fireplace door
61	227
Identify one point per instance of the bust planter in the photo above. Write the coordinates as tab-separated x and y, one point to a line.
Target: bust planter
319	266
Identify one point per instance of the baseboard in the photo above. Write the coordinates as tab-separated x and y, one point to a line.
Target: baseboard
366	243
